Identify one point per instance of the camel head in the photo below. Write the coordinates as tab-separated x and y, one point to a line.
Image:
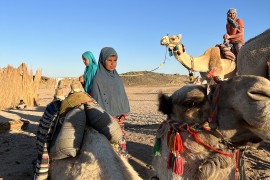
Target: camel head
243	107
171	41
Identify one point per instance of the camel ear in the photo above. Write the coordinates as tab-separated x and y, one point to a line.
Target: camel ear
165	104
179	36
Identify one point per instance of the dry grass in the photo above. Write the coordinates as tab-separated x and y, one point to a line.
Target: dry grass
18	83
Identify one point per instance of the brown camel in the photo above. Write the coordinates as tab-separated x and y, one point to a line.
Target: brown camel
243	116
210	61
253	56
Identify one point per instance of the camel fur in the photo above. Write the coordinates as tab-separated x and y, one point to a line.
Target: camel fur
210	61
254	55
97	160
243	117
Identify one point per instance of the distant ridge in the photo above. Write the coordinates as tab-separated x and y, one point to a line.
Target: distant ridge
147	78
134	78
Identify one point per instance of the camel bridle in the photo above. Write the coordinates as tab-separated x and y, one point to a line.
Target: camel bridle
176	50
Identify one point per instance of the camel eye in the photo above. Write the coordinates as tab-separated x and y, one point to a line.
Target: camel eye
172	39
188	104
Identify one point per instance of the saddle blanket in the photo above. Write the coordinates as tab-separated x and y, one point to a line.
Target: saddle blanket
226	52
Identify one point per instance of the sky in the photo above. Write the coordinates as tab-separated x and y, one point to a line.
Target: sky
52	35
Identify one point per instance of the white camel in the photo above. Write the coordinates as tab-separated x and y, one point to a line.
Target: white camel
211	144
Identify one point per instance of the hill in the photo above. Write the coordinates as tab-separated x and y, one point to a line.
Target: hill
146	78
137	78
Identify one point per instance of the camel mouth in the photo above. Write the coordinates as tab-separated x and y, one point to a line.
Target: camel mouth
259	95
164	43
170	47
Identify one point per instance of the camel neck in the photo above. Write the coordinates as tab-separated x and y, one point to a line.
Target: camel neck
197	64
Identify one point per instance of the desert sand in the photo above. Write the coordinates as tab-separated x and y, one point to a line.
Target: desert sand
17	147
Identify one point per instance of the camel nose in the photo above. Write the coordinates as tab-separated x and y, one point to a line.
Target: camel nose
260	94
163	42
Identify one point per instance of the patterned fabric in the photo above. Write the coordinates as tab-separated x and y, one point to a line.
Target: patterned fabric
45	131
122	144
226	52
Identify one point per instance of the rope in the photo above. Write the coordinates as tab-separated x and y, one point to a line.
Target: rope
161	63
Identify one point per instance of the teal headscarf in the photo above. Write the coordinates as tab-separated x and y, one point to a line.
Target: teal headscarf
89	72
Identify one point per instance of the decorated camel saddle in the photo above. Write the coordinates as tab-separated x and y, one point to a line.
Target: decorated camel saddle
76	133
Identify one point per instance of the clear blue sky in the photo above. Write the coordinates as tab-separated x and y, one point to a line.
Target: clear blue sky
52	34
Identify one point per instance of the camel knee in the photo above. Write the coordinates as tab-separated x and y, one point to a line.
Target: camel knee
211	167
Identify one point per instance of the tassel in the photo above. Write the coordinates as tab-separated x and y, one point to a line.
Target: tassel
170	52
178	143
156	149
178	53
178	167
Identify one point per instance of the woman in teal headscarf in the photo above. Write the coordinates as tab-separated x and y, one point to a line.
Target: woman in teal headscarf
89	72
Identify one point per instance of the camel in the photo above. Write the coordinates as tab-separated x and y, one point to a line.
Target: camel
98	157
97	160
210	143
253	56
210	61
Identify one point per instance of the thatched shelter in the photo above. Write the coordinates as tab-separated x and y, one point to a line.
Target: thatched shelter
18	84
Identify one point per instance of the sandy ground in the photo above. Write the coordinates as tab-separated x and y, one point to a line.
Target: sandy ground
17	148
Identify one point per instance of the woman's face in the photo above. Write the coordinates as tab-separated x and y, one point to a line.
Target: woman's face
232	15
111	63
85	61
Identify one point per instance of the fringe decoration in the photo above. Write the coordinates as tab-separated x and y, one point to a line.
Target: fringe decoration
175	144
178	144
157	146
178	167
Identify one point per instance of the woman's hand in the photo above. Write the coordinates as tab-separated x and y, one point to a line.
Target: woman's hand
226	36
121	121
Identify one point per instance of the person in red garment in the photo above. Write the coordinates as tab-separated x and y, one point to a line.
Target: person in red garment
235	31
